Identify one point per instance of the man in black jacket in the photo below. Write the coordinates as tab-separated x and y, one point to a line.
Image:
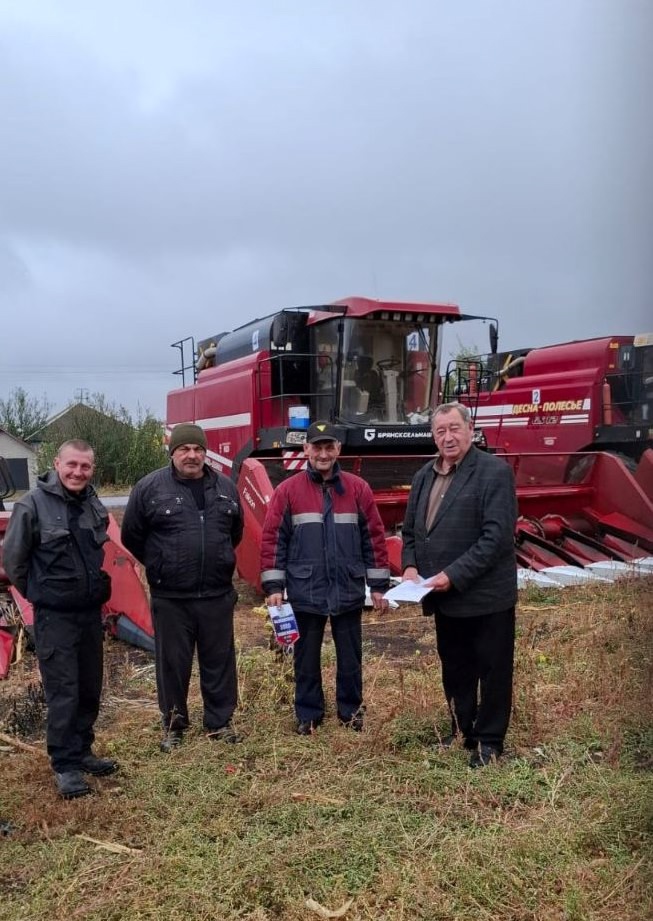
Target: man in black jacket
458	534
183	523
53	554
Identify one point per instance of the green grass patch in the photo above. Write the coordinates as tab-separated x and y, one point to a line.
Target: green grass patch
559	829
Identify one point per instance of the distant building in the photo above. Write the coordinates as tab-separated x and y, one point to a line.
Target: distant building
21	459
75	421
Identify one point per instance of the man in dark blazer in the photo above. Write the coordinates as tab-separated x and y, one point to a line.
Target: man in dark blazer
458	534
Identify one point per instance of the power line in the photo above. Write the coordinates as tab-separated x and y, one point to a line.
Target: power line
120	371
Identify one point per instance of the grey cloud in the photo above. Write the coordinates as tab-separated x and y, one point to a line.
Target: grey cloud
206	171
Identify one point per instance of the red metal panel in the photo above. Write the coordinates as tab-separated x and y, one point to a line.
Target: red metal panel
393	544
644	473
6	651
255	491
128	595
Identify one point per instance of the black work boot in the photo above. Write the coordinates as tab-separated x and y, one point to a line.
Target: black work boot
355	722
172	739
71	784
225	733
99	767
484	755
449	741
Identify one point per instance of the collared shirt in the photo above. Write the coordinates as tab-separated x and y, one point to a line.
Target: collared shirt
441	484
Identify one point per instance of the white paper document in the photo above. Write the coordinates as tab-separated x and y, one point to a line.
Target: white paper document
408	591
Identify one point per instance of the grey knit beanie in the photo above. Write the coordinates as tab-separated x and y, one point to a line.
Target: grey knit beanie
186	434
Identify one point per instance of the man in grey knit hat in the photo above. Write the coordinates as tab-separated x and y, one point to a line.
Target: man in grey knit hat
183	523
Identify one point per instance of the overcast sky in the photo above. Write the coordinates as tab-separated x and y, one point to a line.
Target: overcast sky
175	169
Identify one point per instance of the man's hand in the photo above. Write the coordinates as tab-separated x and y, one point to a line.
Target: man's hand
410	574
379	603
274	601
439	583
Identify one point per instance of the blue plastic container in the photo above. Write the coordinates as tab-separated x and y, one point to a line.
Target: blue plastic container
298	417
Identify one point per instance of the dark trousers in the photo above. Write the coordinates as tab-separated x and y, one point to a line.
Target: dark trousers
477	656
347	635
69	651
180	626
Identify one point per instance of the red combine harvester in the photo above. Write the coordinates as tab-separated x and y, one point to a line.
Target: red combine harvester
578	396
372	368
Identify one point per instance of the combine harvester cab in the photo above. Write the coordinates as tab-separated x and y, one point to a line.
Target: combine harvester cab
370	367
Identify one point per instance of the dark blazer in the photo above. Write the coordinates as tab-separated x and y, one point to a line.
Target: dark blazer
472	538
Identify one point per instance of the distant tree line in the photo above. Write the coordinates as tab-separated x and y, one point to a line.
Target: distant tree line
22	415
126	448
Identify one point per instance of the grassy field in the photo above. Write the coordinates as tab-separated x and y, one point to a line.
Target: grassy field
379	825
